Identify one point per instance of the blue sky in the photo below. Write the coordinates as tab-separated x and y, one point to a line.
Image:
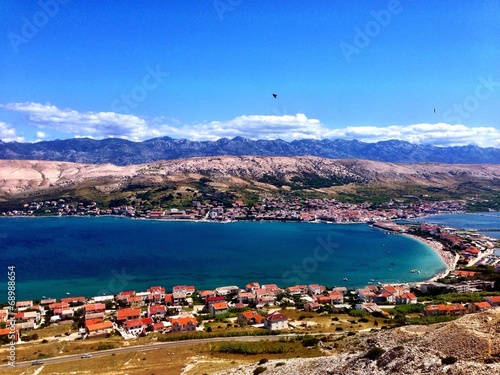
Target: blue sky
206	69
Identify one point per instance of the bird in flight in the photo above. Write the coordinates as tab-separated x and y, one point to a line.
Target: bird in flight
434	110
275	96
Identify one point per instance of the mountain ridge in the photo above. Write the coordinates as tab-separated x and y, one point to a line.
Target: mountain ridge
124	152
307	173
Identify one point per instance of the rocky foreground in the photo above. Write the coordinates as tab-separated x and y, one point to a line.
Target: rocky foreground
469	345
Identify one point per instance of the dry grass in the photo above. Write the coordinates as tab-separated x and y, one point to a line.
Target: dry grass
49	332
198	359
189	360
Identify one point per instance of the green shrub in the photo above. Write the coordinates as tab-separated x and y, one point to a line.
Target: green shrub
263	360
449	360
248	348
259	370
357	313
374	353
105	346
310	341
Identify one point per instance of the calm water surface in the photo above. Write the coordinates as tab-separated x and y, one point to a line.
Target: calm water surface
478	221
92	256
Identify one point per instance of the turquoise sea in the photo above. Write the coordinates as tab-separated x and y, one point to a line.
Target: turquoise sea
91	256
477	221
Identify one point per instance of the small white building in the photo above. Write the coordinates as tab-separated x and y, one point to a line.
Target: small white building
276	321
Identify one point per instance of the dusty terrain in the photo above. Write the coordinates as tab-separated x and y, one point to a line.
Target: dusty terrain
25	176
469	345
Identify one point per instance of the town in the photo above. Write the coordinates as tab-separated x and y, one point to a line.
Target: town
471	284
267	208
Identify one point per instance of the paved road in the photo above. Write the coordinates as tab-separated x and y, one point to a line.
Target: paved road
154	346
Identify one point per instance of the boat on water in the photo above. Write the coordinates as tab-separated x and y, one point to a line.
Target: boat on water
345	279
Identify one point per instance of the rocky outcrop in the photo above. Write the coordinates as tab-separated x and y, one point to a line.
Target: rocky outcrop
24	176
467	346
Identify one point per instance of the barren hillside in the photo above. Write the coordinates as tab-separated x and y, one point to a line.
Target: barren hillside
469	345
27	177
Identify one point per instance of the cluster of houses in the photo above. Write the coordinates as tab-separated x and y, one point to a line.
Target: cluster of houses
394	294
304	209
400	294
269	208
459	309
470	246
132	313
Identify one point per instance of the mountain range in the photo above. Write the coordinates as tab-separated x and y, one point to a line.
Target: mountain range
124	152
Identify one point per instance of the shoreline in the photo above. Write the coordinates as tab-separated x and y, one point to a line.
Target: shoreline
450	259
447	257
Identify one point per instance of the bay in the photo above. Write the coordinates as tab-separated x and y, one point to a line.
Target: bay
93	256
476	221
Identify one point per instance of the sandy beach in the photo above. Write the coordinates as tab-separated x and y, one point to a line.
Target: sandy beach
449	258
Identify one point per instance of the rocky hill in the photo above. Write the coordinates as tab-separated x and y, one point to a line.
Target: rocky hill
123	152
467	346
307	172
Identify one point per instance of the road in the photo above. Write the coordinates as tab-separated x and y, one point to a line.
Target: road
155	346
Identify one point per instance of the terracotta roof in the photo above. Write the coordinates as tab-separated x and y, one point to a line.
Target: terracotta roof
445	307
5	331
157	309
483	305
253	315
127	293
335	295
219	305
183	287
94	306
155	289
73	299
183	320
89	322
157	326
133	323
58	305
125	313
99	326
270	286
276	317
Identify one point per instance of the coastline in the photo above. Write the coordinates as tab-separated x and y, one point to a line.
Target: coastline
449	259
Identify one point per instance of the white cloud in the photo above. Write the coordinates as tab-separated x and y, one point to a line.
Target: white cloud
8	134
254	127
92	124
100	125
440	134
